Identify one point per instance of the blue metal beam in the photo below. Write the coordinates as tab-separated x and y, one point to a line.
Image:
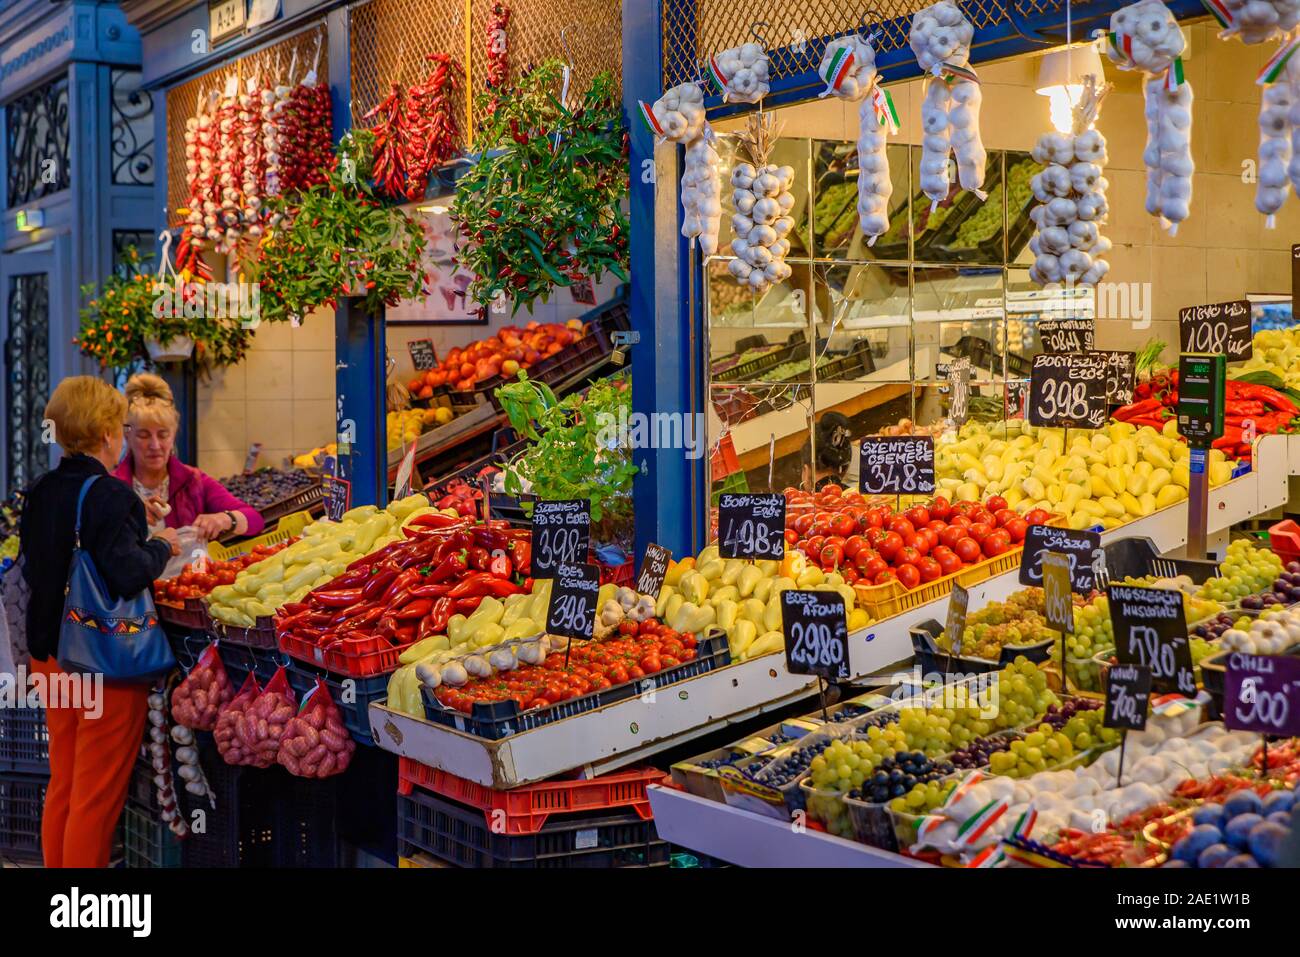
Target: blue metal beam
361	354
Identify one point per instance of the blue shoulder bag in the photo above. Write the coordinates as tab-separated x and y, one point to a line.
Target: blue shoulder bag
118	638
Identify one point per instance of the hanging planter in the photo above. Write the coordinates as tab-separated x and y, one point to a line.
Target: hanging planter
176	349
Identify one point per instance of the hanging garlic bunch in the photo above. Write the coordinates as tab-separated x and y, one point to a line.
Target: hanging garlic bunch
1071	191
1254	21
160	760
763	201
849	69
1289	77
678	116
1277	115
1145	36
740	73
950	114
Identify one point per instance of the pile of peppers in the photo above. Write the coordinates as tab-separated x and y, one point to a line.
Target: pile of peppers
1247	405
409	590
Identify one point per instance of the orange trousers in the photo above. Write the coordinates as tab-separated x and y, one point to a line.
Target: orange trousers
90	769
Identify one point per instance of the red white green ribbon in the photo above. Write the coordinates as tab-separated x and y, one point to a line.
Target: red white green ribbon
648	118
991	856
928	825
1219	10
1024	825
838	67
975	826
1122	44
1174	76
952	72
718	78
1276	65
886	113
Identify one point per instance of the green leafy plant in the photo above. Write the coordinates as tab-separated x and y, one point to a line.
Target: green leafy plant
337	239
542	206
573	455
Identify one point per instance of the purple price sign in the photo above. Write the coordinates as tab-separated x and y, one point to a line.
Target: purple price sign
1262	694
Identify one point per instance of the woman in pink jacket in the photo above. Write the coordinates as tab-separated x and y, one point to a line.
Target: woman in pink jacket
175	495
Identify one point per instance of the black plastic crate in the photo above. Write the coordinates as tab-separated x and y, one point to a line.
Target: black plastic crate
1135	557
142	790
24	741
308	498
752	370
500	719
931	659
982	355
22	799
858	361
146	840
454	832
356	716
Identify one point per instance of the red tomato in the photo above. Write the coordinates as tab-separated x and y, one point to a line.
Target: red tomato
1038	517
853	545
1004	515
791	537
901	525
961	508
1016	529
889	545
874	567
813	546
961	521
950	535
980	531
634	673
875	536
996	543
804	523
833	490
929	536
886	576
850	574
921	543
651	664
908	575
929	568
948	560
617	674
907	555
995	503
854	497
844	525
940	508
917	515
981	516
968	550
835	540
935	525
832	556
878	516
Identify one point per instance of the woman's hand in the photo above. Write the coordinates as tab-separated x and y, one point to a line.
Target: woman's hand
169	536
212	525
155	509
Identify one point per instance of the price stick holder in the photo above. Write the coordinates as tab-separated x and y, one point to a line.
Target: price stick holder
1262	693
955	624
1201	382
1057	598
654	566
816	634
572	610
1128	689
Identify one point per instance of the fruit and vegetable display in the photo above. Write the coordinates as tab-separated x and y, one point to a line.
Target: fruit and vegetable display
1020	620
323	552
874	545
1250	409
199	578
1274	361
1245	830
1250	574
404	428
502	355
408	590
268	485
1047	748
1105	477
744	598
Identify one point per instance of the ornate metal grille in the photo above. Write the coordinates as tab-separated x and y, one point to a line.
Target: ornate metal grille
274	60
123	239
391	38
36	142
131	110
27	364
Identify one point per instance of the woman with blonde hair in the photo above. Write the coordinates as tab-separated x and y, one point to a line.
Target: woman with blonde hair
175	495
95	727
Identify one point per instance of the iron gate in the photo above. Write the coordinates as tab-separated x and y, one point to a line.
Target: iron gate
27	367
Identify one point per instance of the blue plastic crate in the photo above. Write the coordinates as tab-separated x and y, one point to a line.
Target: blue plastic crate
356	715
24	741
146	840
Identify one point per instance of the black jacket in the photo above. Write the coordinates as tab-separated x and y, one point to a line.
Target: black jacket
113	531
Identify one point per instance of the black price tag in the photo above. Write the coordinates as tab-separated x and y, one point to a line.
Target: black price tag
959	383
572	611
1065	335
1128	688
654	566
955	625
1067	391
561	534
751	526
1081	548
1221	328
816	634
1150	630
1262	694
338	497
896	465
423	356
1057	598
1121	371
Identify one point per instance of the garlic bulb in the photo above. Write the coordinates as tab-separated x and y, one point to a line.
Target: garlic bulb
950	113
741	73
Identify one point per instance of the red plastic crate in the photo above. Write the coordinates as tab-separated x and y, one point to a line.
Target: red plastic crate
364	664
623	574
527	808
1284	537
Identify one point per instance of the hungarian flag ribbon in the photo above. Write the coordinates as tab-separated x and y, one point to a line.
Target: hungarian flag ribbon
886	113
716	75
1277	64
648	117
952	72
1219	10
838	67
1174	76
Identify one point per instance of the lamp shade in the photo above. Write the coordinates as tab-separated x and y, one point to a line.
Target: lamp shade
1068	66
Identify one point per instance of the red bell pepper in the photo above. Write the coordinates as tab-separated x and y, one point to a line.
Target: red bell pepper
452	566
405	579
479	558
441	613
501	566
416	608
435	520
428	589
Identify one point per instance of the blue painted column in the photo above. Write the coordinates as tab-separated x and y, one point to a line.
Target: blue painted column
669	495
359	400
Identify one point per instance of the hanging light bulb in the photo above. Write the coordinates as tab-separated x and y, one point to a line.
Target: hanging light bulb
1060	79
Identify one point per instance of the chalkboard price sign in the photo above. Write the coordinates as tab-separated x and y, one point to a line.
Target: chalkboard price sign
1128	688
896	465
1067	391
1065	335
1221	328
751	526
816	633
959	382
654	566
1081	548
338	497
1262	694
1150	630
423	356
561	534
1121	370
572	611
955	624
